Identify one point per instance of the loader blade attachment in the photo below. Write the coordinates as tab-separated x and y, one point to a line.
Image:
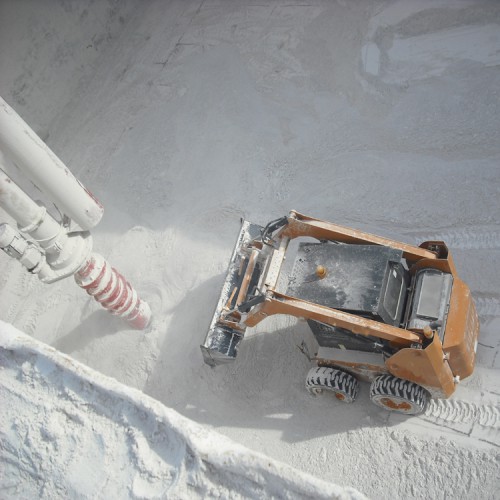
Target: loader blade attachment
223	337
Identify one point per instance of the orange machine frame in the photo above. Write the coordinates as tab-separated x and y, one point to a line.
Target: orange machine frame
429	363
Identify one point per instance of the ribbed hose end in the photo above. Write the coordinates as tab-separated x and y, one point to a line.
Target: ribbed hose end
113	291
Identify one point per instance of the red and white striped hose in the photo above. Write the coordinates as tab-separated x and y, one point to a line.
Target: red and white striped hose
113	291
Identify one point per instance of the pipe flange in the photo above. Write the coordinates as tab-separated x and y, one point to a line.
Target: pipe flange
35	225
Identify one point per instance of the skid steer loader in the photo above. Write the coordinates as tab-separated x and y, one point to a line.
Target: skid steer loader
388	313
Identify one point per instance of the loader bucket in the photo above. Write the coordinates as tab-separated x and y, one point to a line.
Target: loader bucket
221	342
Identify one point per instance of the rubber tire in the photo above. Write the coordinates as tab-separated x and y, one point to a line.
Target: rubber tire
395	394
344	385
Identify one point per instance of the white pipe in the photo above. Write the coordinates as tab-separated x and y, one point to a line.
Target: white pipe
46	170
65	252
32	218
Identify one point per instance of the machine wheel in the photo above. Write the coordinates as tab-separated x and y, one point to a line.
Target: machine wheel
399	395
344	386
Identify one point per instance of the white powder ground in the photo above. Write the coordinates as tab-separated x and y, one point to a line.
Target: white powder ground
185	117
84	435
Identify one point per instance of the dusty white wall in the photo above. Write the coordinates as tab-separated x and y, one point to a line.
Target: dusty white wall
49	53
68	36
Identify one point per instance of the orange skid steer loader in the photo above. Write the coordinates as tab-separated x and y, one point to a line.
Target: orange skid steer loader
381	311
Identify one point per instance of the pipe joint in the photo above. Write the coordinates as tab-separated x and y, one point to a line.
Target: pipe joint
67	261
35	223
17	247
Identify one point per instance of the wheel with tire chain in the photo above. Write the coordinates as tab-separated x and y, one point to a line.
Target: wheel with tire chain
395	394
343	385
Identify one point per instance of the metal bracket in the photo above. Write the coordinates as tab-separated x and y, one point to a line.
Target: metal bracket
273	226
